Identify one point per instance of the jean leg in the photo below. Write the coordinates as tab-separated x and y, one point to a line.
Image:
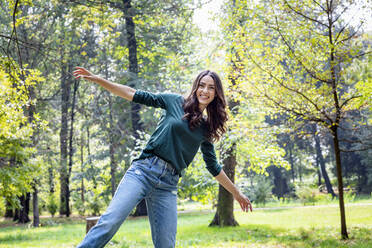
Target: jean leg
129	193
162	211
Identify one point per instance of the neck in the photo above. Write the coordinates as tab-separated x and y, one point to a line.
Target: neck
202	107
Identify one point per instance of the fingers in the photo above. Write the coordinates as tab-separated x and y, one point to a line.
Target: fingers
81	72
246	204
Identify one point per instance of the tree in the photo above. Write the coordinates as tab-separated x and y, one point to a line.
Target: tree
18	168
301	51
237	145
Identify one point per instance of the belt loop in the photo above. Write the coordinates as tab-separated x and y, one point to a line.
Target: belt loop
156	158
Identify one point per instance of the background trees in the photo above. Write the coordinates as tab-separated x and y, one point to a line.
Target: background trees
301	52
296	75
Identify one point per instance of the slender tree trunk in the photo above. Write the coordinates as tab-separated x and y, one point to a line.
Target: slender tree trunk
292	163
50	175
225	207
70	146
113	165
35	205
65	86
133	69
111	134
82	168
321	161
89	158
317	165
336	122
300	169
344	233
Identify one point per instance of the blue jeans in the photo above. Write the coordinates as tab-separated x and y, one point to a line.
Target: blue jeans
156	181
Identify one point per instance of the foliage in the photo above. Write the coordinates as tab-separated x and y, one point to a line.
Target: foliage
307	194
52	205
262	191
18	167
197	183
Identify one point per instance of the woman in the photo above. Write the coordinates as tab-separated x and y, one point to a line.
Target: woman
154	175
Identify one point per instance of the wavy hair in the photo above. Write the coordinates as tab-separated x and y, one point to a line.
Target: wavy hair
217	115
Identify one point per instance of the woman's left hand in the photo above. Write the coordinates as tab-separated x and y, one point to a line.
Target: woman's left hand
244	202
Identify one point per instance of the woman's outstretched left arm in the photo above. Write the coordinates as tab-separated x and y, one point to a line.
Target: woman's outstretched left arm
244	202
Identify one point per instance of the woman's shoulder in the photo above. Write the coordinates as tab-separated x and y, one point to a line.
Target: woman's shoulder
172	96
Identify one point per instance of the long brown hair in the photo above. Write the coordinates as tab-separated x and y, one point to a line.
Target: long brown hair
217	116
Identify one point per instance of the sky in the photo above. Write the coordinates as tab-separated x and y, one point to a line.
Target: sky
202	16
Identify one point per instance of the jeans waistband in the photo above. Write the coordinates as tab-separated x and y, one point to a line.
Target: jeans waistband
165	163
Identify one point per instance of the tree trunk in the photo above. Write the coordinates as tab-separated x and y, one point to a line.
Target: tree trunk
25	209
111	134
89	158
292	163
50	175
70	146
35	206
65	86
318	172
133	69
280	183
8	210
113	165
344	233
82	168
225	207
321	161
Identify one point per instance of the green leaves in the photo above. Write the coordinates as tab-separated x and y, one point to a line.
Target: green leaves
17	166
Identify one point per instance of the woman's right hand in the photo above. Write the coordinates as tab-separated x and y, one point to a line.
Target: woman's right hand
81	72
117	89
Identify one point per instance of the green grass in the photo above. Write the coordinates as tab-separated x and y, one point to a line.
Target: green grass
283	227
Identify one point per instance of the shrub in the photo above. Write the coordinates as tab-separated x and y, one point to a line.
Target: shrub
307	195
262	191
52	205
80	206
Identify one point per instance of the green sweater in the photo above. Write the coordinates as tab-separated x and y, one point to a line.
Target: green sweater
173	141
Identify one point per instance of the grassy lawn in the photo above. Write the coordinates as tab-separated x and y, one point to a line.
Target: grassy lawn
286	227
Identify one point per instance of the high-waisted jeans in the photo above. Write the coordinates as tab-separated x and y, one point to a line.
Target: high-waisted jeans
156	181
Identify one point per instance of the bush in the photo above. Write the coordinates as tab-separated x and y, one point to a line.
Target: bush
349	195
262	191
52	205
308	195
94	203
80	206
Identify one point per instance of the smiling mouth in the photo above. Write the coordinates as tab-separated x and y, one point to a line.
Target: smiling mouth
204	97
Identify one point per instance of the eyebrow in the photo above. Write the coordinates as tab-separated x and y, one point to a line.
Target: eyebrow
202	82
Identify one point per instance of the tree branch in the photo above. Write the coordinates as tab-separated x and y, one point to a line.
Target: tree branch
320	6
351	36
312	74
303	15
349	99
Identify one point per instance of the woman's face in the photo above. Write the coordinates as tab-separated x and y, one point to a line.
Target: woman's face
206	91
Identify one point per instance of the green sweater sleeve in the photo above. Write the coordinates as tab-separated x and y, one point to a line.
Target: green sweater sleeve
149	99
209	156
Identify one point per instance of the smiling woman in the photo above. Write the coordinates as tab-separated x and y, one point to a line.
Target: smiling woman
154	175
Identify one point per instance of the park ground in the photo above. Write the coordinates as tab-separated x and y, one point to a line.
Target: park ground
282	226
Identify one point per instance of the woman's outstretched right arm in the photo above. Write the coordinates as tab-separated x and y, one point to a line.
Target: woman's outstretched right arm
123	91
